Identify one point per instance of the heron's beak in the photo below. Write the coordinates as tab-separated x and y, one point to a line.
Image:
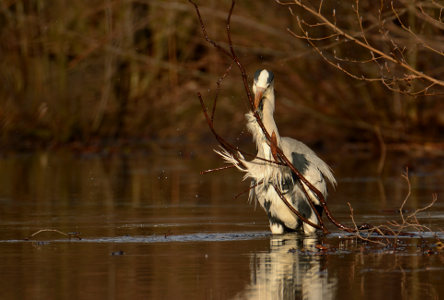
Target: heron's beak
258	97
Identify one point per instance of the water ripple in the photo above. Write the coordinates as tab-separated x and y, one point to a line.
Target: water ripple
193	237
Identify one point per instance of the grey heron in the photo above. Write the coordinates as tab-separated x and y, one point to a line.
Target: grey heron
266	175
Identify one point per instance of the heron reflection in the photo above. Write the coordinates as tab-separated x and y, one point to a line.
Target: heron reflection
286	272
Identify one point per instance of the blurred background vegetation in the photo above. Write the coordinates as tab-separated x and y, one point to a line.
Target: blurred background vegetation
128	70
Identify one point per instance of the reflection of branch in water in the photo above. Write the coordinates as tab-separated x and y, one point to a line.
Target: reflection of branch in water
285	274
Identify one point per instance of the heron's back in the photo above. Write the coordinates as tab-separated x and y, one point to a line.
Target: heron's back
305	160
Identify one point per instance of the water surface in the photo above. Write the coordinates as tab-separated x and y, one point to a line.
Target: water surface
152	227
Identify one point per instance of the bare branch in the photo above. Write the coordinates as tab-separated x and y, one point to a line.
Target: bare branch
381	232
379	57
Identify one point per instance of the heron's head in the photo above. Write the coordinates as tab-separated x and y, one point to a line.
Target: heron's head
263	88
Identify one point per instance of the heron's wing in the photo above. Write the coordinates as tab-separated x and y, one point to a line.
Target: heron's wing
308	163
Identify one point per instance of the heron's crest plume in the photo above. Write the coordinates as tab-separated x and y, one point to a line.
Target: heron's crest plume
263	78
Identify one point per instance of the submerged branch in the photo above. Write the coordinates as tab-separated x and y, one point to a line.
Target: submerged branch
70	235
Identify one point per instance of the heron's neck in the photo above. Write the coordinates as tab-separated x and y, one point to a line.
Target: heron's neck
266	115
268	119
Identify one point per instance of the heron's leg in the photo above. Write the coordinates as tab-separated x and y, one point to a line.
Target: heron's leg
276	228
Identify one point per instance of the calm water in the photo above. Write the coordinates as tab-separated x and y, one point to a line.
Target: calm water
152	227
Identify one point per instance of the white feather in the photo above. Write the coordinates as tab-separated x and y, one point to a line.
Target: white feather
265	173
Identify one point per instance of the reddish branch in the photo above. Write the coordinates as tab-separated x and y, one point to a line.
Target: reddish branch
382	231
233	56
282	159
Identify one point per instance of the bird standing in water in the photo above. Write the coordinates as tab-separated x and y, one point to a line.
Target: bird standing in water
265	174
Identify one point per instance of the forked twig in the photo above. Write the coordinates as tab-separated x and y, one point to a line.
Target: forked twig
357	229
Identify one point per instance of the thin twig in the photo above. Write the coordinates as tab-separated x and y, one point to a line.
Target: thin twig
216	169
360	236
350	37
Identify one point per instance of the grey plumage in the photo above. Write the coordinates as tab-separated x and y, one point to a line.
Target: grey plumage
314	169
